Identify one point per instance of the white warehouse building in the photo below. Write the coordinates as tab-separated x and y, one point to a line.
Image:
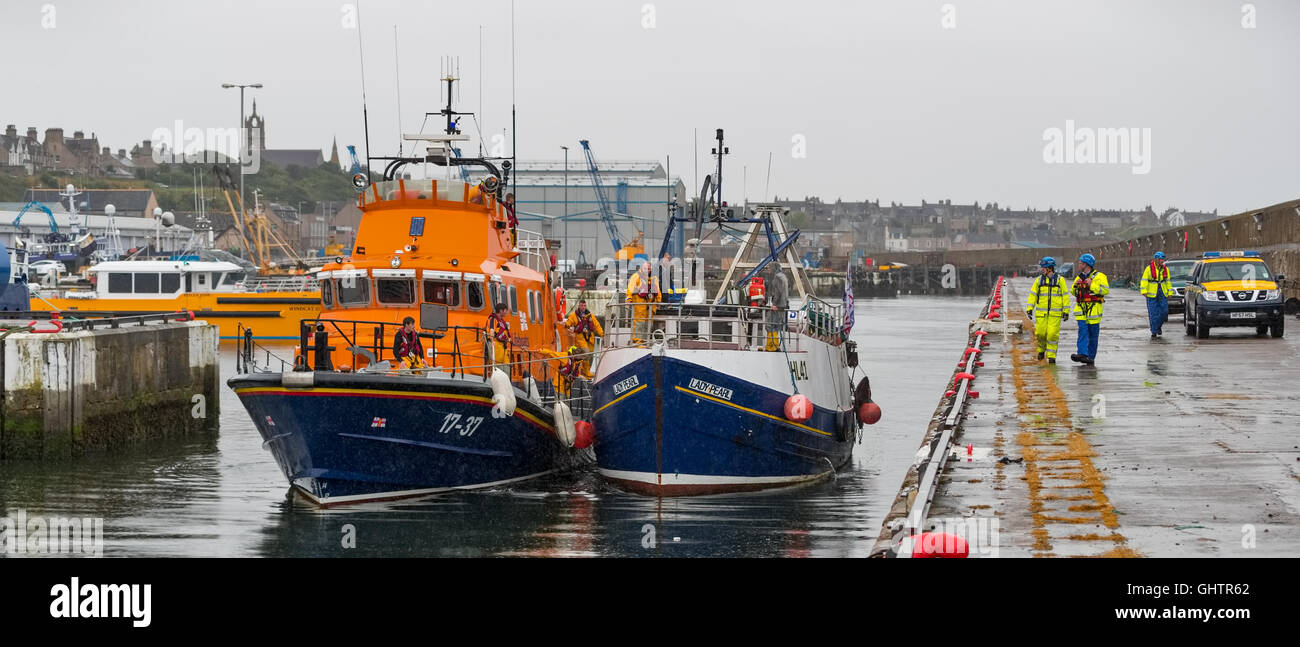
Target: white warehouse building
641	190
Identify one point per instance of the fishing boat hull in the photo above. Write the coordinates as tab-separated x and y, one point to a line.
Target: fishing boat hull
352	438
670	424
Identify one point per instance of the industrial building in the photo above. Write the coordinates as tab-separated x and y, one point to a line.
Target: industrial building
638	190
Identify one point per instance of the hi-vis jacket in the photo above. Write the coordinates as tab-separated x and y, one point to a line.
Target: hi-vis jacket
1088	302
1155	280
1048	296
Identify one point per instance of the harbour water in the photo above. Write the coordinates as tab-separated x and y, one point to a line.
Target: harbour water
226	497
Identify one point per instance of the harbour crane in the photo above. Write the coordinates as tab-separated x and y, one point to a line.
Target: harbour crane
623	253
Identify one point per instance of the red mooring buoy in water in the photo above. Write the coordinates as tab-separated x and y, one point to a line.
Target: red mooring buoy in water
869	413
938	544
584	434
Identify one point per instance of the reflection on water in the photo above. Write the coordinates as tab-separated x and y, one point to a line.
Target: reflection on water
225	496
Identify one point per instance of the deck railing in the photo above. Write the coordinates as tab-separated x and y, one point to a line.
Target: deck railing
722	326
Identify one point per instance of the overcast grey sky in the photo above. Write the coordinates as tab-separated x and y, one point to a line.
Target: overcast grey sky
897	101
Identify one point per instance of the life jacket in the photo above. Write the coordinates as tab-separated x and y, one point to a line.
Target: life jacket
1159	274
500	330
1083	295
584	326
570	369
408	344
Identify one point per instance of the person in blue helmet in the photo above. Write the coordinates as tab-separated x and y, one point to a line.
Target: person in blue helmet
1157	289
1049	297
1090	289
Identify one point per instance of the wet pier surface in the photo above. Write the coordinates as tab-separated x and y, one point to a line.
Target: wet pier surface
1175	446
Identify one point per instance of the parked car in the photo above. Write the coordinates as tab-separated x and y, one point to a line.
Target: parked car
1179	272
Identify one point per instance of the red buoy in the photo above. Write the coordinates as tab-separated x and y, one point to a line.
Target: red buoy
869	413
798	408
938	544
585	433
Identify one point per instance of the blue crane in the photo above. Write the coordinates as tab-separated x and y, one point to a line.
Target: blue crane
54	225
606	212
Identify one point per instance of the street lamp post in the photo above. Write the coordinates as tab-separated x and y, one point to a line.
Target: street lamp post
242	215
567	252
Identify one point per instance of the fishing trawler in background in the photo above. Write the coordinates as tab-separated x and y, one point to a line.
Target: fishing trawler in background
347	423
726	396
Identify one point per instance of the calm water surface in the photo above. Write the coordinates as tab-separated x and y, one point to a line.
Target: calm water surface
225	496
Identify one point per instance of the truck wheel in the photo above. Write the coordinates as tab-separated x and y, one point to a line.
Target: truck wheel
1260	330
1188	326
1278	327
1202	330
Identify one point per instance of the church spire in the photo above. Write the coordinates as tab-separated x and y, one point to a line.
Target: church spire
334	155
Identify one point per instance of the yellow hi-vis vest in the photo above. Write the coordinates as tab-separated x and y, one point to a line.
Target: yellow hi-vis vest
1048	296
1153	284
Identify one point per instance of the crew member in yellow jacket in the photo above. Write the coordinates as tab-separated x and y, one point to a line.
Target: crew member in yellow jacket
1049	297
585	329
1090	289
1157	289
642	288
564	367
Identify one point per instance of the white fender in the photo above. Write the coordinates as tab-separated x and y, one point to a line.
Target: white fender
503	394
564	428
533	393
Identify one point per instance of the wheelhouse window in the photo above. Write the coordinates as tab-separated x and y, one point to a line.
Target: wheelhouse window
494	291
119	282
146	283
354	291
327	292
171	283
444	292
232	278
514	301
395	291
474	295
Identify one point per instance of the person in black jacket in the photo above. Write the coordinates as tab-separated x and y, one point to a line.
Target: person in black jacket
406	345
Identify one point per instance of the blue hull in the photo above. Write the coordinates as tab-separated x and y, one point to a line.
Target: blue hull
353	438
657	435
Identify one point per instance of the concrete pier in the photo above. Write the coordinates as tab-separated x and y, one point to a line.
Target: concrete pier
82	390
1175	446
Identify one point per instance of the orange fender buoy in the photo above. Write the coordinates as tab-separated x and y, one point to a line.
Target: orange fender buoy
798	408
869	413
585	434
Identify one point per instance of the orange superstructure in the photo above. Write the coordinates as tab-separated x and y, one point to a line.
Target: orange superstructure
441	243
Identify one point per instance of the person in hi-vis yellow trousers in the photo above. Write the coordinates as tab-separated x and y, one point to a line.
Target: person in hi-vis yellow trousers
1049	300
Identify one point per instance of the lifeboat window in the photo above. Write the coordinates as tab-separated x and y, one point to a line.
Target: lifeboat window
327	292
354	291
495	291
119	282
146	283
514	301
474	295
395	291
444	292
232	278
171	283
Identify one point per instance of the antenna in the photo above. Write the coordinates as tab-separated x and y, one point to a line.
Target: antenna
768	184
719	152
480	91
397	64
514	128
365	113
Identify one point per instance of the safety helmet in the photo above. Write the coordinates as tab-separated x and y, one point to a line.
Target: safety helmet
1160	255
1089	260
1047	261
573	350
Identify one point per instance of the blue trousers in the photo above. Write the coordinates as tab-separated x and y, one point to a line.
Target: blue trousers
1157	312
1088	339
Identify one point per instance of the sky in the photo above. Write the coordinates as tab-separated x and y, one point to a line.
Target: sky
897	101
